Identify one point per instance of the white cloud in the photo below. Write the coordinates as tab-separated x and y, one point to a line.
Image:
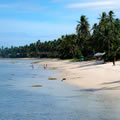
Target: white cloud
21	6
96	4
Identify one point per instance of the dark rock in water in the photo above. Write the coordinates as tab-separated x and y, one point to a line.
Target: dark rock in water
63	79
52	79
36	85
12	62
53	68
9	85
13	74
10	79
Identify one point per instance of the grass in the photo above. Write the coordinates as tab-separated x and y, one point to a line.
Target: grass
81	59
74	60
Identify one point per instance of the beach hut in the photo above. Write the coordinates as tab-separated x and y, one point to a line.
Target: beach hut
99	59
99	55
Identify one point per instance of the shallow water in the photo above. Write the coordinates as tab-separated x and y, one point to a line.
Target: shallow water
55	100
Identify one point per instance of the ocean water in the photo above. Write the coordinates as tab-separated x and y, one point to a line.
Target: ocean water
55	100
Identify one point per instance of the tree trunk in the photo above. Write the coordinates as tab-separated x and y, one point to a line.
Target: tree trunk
114	58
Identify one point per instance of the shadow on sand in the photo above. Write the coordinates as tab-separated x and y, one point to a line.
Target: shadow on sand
91	64
114	82
100	89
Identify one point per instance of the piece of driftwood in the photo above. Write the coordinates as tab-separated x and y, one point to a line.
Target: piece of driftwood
36	85
52	78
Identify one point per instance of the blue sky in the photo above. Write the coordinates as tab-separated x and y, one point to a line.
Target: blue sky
26	21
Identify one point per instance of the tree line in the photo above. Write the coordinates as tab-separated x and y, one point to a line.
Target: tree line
104	36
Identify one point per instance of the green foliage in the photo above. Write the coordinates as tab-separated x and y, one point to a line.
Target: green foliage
83	34
106	35
68	47
103	37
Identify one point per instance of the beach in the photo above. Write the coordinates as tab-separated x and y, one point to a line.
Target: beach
87	74
75	93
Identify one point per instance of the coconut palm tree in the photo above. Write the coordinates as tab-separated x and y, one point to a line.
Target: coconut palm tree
83	32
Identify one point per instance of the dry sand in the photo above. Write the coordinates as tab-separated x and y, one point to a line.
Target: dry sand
87	74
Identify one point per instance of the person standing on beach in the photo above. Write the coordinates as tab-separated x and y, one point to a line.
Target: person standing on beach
45	66
32	66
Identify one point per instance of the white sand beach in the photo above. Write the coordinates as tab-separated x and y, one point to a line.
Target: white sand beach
87	74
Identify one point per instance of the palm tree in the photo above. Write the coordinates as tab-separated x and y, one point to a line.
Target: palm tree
83	32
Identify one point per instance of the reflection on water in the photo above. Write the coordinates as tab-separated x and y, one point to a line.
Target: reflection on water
55	100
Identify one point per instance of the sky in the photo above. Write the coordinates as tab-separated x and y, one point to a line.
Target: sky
26	21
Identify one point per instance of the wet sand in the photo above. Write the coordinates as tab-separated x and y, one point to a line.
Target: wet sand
87	74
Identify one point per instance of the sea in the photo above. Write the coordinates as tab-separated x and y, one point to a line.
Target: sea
54	99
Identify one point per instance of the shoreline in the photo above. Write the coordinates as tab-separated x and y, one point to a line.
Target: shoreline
87	74
19	58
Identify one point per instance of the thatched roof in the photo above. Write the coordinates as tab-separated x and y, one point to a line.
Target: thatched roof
99	54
